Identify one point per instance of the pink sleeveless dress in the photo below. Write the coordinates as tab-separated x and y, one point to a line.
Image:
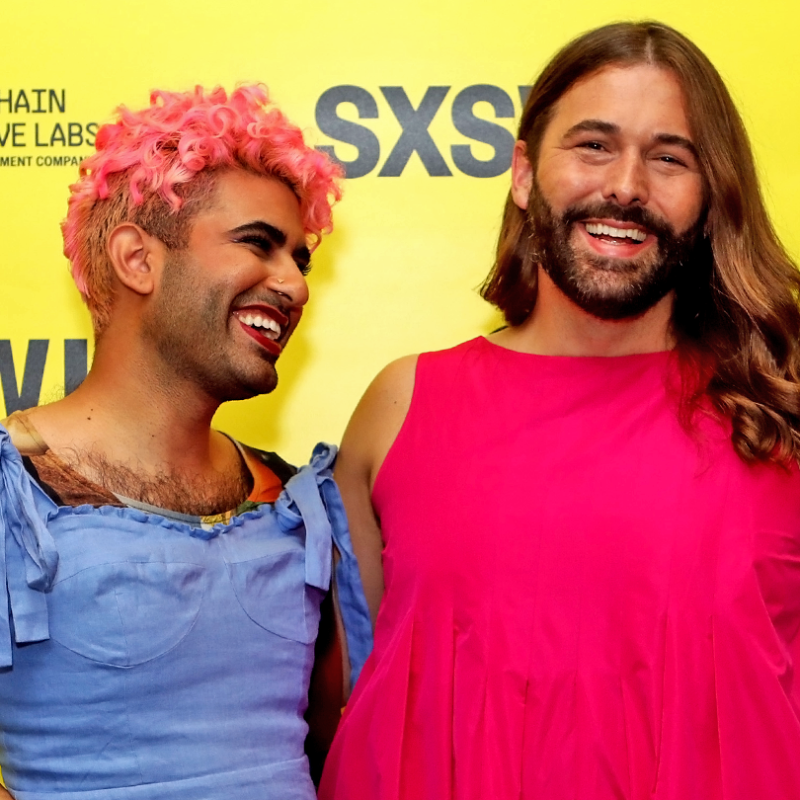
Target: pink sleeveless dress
583	601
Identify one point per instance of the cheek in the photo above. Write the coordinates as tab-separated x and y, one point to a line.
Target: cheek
563	187
685	205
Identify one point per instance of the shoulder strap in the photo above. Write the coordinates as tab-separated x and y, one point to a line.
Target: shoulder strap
28	556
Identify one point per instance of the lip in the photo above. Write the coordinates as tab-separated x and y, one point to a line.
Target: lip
272	346
608	249
265	311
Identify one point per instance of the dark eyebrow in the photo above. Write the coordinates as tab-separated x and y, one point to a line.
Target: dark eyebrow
275	235
302	255
594	126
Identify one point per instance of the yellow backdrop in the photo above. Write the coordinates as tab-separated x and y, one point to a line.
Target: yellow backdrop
400	272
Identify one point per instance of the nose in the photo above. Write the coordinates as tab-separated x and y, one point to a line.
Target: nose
627	180
286	279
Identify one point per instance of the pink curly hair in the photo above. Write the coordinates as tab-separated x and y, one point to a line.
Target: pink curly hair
149	169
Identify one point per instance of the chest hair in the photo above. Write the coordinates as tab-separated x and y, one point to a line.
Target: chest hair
186	493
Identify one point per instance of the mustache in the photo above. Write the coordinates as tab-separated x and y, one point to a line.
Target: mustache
633	214
266	297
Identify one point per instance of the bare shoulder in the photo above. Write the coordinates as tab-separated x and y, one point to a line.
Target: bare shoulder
378	417
46	427
369	436
394	384
24	435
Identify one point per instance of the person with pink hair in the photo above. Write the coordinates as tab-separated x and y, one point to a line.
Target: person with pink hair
163	582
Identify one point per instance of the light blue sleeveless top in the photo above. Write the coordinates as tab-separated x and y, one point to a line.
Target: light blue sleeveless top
141	657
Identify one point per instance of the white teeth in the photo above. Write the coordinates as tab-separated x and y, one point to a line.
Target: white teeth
597	229
270	327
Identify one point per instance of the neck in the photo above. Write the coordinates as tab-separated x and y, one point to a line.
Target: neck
127	412
558	327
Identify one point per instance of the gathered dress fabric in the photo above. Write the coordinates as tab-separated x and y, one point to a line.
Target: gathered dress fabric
142	658
585	599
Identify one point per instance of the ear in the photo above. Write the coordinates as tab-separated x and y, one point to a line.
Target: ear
137	257
521	175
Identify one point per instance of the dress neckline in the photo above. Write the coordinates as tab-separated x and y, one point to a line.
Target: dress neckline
656	356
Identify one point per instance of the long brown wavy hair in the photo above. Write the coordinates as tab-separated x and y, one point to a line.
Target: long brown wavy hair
736	318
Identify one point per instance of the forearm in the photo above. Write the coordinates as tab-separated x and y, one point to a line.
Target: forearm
325	696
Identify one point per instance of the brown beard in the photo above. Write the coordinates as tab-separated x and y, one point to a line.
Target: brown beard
176	324
649	279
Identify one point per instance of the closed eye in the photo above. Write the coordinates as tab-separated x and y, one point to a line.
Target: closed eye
265	238
261	243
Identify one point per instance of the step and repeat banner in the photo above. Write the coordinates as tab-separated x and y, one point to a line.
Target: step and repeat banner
420	99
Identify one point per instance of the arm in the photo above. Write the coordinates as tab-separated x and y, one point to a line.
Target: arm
369	436
325	693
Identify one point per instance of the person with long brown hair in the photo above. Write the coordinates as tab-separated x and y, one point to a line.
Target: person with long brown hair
580	535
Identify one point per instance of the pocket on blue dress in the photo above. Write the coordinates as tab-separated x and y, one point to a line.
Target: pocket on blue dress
126	613
273	593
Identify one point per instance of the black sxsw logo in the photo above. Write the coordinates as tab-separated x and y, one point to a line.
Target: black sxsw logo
415	136
19	397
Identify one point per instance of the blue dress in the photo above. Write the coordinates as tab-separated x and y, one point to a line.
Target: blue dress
141	657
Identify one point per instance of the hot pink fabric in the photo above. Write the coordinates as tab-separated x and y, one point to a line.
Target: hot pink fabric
583	602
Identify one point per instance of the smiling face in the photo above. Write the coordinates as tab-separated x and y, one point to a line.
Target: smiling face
228	303
616	196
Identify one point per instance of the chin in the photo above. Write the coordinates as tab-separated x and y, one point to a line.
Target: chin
258	388
243	387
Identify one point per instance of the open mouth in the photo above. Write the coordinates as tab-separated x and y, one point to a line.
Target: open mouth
264	324
615	235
